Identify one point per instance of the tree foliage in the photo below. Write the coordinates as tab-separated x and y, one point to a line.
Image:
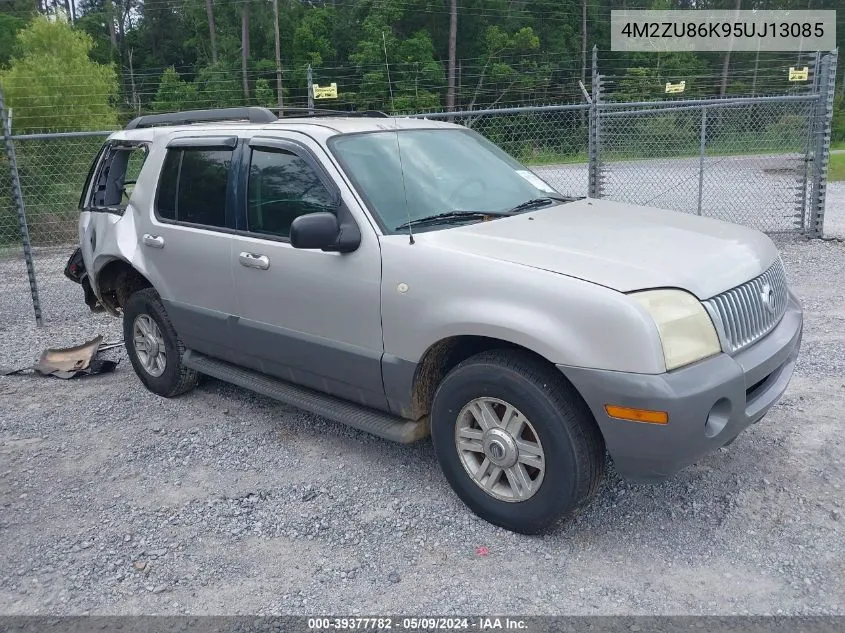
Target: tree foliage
383	54
52	84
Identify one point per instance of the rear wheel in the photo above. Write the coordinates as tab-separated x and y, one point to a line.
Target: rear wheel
515	441
154	348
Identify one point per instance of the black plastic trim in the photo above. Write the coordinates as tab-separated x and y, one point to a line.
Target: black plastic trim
204	142
251	114
337	409
398	377
328	112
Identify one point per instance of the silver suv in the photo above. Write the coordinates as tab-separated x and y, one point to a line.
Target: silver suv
407	277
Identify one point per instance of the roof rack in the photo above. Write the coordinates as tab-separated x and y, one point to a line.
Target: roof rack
318	112
251	114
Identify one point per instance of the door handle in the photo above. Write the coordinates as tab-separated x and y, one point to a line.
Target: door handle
251	260
156	241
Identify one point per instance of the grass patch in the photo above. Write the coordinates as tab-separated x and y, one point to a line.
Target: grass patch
836	168
545	157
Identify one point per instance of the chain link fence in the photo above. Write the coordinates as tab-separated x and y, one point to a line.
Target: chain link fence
742	160
756	161
51	170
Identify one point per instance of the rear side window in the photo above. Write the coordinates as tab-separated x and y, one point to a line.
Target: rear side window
192	186
167	184
115	176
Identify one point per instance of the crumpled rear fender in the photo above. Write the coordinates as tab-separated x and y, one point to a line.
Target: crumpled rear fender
107	237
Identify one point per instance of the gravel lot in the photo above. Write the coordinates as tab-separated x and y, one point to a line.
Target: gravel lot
115	501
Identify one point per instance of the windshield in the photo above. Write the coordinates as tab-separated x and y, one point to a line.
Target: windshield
444	170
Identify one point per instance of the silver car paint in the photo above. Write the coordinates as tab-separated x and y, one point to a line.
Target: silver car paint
431	293
314	297
622	246
551	284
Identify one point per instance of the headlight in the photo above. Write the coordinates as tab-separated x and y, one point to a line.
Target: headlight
686	330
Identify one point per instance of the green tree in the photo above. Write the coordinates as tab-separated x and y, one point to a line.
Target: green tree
52	84
265	94
398	64
174	94
9	27
507	65
218	87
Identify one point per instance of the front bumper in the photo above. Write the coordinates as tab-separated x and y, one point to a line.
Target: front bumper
709	403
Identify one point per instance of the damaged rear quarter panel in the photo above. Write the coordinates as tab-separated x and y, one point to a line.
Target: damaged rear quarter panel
106	237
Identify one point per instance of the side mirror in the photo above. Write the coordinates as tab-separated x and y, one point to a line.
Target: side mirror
315	230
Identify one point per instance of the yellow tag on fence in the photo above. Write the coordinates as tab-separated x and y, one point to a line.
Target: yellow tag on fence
325	92
675	88
798	74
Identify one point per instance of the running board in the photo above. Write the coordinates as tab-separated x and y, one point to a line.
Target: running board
358	417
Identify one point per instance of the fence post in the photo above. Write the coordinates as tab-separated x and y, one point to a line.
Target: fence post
701	156
594	135
309	77
17	196
823	120
814	86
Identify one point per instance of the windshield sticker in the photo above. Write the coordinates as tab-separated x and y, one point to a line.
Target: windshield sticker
534	180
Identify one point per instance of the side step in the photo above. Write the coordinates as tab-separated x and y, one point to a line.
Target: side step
358	417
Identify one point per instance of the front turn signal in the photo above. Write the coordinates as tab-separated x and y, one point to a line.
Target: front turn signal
637	415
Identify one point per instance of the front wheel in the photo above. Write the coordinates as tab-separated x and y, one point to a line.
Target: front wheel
515	441
154	347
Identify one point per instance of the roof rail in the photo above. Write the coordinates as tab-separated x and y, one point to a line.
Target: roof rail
318	112
251	114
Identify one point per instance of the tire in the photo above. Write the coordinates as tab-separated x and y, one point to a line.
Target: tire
172	377
572	448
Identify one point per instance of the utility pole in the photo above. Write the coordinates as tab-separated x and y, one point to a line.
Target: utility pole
110	17
726	60
136	103
278	55
453	45
583	41
209	13
245	47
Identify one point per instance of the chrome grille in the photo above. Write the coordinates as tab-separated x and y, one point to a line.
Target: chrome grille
748	312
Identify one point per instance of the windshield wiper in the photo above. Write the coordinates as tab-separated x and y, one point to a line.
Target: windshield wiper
459	216
536	203
449	216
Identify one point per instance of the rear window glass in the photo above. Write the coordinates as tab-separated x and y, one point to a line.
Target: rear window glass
167	183
192	186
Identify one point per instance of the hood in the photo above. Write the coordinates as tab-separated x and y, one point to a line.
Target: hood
622	246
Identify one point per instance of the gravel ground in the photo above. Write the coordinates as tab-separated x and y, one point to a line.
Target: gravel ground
834	217
115	501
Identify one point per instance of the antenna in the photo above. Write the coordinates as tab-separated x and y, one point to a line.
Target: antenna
398	144
387	66
402	173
